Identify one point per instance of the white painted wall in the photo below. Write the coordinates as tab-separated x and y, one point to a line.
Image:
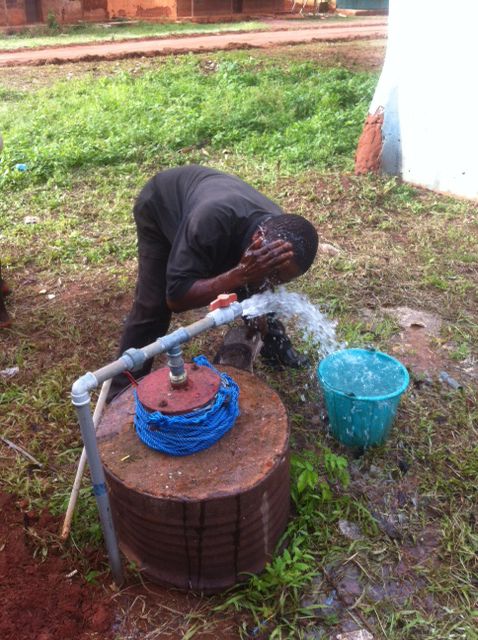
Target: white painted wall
428	91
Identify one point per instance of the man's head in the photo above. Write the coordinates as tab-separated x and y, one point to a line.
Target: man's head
300	233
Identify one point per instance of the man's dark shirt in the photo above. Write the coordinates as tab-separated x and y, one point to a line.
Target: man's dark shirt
206	217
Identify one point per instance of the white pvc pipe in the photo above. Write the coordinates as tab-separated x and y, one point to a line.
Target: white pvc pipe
65	532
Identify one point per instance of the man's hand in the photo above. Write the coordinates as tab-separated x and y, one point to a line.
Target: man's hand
261	263
260	260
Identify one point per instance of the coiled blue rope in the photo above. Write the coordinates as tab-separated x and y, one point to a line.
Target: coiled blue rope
190	432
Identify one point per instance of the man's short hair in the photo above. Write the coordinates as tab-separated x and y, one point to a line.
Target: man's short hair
296	230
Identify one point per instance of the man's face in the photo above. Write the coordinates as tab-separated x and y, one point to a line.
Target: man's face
286	273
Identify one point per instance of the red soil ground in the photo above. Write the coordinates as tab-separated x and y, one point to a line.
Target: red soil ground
296	34
39	600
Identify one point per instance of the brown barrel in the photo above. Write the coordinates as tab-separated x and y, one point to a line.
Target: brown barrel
202	521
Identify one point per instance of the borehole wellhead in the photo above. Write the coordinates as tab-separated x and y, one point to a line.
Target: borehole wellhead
223	310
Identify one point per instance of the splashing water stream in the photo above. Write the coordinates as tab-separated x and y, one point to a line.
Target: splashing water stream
308	318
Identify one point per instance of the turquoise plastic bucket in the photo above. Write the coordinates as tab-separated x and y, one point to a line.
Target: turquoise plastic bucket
362	389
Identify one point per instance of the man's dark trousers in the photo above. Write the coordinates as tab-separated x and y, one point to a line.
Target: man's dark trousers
150	316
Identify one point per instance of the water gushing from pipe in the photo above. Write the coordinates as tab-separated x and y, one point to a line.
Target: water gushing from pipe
308	318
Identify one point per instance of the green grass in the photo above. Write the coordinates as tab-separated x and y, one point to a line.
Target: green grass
84	34
90	142
289	128
295	116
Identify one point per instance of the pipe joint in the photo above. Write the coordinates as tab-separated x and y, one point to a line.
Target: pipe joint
173	339
226	314
80	391
177	372
134	359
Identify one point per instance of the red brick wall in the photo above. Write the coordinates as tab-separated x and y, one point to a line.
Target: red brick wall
74	10
262	6
63	10
212	7
172	9
205	8
95	10
15	13
142	9
67	11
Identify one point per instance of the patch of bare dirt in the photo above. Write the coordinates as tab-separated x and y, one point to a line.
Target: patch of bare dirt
45	598
199	43
416	345
42	598
143	608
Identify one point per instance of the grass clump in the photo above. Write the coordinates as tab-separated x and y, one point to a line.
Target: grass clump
296	116
275	598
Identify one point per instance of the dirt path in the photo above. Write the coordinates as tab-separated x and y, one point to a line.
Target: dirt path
289	32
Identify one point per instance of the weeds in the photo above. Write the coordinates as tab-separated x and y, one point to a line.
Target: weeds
274	598
90	143
123	119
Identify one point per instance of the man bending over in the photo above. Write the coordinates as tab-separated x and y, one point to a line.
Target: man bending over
201	233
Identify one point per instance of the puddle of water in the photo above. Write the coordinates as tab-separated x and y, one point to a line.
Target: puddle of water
308	318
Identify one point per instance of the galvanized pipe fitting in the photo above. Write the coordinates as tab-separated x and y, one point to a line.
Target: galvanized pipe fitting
177	373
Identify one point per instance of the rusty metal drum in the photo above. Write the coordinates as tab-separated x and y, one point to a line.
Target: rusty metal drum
204	521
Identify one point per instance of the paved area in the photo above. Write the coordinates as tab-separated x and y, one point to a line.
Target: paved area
280	33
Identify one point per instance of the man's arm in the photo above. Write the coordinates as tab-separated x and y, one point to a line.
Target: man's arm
258	262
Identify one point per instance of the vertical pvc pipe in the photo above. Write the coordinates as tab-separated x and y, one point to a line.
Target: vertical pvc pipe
99	489
82	464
